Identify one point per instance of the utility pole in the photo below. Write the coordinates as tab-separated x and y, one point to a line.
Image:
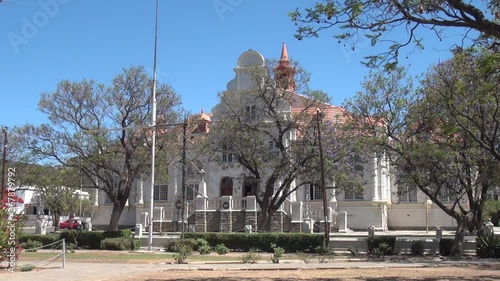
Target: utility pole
153	138
319	117
183	189
4	130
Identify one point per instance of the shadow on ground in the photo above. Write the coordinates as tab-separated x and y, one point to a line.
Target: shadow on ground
440	278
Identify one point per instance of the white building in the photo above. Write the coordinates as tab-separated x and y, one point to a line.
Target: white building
224	201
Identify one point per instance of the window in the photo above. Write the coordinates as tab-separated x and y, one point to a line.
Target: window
407	194
351	194
227	154
226	186
160	192
273	148
358	170
250	112
191	191
315	192
249	187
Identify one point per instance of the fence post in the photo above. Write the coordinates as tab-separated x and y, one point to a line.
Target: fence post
64	252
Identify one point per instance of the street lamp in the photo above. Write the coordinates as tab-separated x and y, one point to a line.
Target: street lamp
319	117
153	137
183	188
4	130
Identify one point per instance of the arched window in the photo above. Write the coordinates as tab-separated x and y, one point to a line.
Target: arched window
226	186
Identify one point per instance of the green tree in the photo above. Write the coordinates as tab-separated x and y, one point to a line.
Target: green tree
425	147
467	87
105	131
382	22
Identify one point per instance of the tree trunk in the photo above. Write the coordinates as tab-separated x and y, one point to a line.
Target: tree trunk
458	243
57	218
476	223
264	224
115	215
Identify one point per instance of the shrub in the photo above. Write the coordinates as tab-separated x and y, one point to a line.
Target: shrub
445	245
491	210
28	267
119	244
325	258
250	257
305	257
221	249
44	239
71	248
374	242
417	247
200	242
488	246
381	250
172	245
135	244
31	245
6	219
321	250
115	244
354	251
277	253
83	239
183	251
121	233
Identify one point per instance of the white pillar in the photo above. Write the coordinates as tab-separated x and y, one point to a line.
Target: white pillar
96	196
375	179
141	192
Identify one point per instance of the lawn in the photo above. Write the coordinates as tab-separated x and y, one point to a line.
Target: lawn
141	256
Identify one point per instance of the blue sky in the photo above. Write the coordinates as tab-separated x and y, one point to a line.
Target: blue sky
46	41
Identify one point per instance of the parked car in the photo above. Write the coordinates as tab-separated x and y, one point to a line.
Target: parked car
70	224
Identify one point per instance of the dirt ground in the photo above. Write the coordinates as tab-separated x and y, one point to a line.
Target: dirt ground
473	272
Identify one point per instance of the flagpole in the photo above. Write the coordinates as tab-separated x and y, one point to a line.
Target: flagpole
153	138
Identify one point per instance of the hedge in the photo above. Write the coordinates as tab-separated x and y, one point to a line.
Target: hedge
290	242
44	239
84	239
375	241
120	244
92	239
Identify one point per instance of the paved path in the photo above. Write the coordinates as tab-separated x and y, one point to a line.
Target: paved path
103	271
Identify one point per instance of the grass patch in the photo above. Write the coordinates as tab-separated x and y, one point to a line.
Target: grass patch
104	256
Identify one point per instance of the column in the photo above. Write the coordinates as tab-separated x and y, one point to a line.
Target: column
375	178
96	195
201	207
141	192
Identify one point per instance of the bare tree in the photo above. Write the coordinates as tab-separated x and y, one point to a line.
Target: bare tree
270	132
104	131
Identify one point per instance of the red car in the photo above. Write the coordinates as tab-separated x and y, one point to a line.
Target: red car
70	224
